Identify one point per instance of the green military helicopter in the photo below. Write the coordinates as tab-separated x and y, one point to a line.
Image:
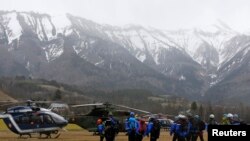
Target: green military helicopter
103	111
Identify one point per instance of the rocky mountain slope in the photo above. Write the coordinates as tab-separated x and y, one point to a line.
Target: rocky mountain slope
191	63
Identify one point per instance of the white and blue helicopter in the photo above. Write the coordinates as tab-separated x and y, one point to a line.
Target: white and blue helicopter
25	120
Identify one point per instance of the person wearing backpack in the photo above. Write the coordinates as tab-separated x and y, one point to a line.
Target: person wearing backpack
196	127
141	132
202	126
109	132
182	128
133	126
153	129
194	130
114	123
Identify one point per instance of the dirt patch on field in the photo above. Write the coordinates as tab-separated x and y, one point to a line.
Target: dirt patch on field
82	135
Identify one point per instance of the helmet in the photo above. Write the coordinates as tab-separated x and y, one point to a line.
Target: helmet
99	121
132	114
197	116
235	116
176	117
211	116
110	114
182	116
229	115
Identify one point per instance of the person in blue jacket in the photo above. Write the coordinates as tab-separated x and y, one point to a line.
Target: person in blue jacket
100	129
182	128
132	127
127	126
173	128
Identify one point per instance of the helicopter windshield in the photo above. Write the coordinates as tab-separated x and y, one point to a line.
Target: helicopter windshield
57	118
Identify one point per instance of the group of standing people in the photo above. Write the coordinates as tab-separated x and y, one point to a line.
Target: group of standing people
231	119
189	128
137	128
184	128
108	129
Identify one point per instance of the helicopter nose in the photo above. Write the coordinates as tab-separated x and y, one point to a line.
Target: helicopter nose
65	123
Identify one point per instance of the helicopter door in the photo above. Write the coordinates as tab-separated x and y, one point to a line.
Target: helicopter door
46	121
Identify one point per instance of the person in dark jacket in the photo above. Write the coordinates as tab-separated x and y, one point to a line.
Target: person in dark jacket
201	127
211	120
193	126
109	132
153	129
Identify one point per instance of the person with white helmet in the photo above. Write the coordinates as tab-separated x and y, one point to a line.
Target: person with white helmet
230	118
211	120
182	128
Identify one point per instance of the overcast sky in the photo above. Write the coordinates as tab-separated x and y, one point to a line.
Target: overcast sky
164	14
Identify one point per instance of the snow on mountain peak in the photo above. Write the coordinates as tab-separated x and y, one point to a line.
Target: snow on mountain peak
12	26
61	22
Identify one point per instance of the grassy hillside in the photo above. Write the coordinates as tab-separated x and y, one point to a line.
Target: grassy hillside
22	88
6	97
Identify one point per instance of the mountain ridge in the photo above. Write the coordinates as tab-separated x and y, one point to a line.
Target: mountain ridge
185	62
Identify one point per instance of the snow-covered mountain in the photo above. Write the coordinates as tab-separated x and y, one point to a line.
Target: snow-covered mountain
74	50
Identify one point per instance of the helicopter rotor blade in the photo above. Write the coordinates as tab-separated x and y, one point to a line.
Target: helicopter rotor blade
45	102
139	110
7	103
86	105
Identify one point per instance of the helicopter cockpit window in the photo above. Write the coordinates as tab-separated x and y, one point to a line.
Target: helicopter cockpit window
47	119
56	117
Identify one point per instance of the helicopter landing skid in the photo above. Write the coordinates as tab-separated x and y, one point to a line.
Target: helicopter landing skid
24	136
55	134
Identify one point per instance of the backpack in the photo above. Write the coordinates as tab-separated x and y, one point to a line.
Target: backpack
109	129
182	129
156	129
202	125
